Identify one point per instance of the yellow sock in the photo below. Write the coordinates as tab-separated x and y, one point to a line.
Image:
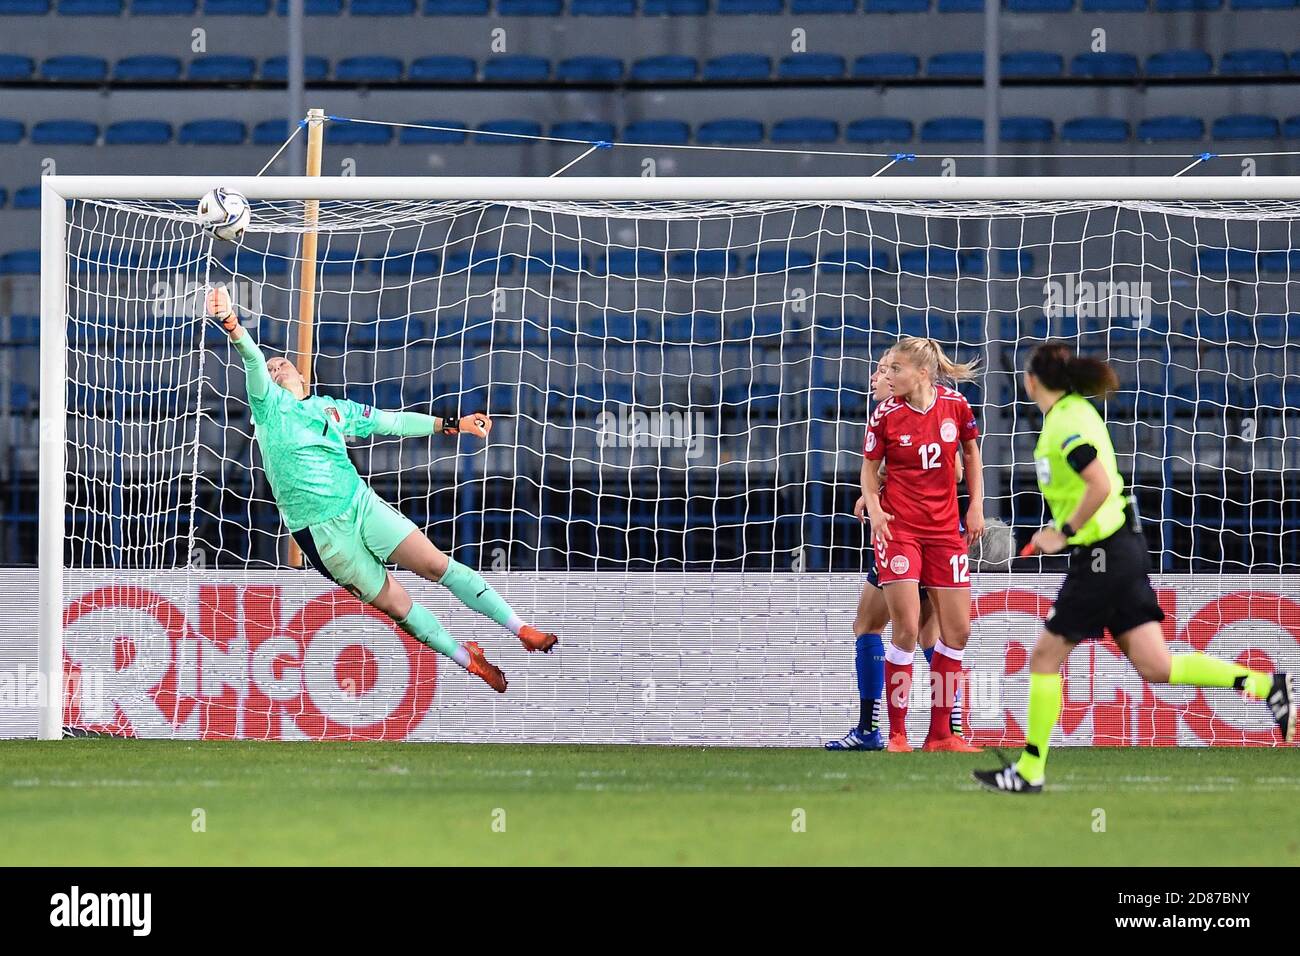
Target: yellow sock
1201	670
1044	708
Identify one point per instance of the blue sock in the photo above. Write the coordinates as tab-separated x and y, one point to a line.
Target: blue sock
929	655
870	663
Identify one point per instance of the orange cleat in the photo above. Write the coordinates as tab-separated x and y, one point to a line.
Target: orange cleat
535	640
953	744
479	667
898	744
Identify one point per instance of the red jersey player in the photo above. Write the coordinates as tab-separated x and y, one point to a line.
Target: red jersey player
913	523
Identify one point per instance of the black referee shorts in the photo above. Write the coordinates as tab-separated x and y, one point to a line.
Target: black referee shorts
1106	589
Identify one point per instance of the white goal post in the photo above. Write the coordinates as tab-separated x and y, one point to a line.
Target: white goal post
1009	199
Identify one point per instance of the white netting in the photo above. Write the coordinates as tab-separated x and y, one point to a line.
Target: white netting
679	386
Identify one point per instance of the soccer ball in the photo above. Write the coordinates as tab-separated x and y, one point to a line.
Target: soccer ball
224	213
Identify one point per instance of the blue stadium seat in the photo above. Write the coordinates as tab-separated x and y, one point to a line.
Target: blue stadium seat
1294	62
879	129
236	8
90	8
1163	129
443	69
730	132
11	131
1113	6
1031	64
1015	262
1280	260
163	8
961	6
665	69
953	129
1291	127
805	130
4	197
1104	66
314	68
138	133
1183	6
675	8
895	6
1245	126
148	69
589	69
381	8
603	8
1180	63
1252	62
16	67
21	262
1039	6
554	260
854	259
1236	263
703	262
1026	129
24	8
215	132
29	197
881	66
811	66
529	8
26	329
270	132
65	133
1264	4
312	8
738	67
1094	129
960	64
780	259
222	69
455	134
254	264
632	262
517	69
823	6
654	132
516	128
358	134
591	132
75	69
423	263
742	7
369	69
455	8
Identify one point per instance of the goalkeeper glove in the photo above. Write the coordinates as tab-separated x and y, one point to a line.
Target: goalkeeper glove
219	309
477	424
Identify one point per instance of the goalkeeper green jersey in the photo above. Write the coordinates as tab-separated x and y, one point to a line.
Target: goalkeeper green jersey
304	442
1069	424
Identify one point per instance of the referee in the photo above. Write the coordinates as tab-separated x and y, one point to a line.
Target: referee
1106	587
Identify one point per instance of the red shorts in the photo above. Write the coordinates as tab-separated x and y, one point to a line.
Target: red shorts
940	562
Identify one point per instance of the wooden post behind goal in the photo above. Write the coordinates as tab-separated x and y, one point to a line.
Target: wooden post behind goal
307	275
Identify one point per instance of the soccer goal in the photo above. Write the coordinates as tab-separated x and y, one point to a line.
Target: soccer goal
677	371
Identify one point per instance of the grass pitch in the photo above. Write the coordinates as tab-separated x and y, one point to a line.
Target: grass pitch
125	802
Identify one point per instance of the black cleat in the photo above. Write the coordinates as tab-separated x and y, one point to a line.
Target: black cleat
1006	780
1281	701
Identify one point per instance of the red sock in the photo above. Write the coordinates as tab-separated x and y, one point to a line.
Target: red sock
945	673
898	689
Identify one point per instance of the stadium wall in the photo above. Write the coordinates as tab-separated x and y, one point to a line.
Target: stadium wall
700	659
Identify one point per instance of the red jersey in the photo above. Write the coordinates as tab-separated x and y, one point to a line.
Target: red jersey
920	450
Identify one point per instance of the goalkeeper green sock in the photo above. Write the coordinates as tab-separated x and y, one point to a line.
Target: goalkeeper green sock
1044	708
1201	670
477	595
428	630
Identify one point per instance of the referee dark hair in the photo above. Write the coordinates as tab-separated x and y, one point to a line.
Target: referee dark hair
1106	587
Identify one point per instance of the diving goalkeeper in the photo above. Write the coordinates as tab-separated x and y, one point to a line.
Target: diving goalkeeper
348	532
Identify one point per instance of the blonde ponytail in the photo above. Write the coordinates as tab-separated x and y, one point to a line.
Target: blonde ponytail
929	354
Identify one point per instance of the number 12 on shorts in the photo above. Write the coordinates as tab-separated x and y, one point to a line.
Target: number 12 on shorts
960	568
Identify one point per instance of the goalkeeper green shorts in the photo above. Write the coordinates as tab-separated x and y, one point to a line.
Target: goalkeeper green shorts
352	548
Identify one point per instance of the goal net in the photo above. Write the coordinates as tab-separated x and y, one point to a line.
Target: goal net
679	390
